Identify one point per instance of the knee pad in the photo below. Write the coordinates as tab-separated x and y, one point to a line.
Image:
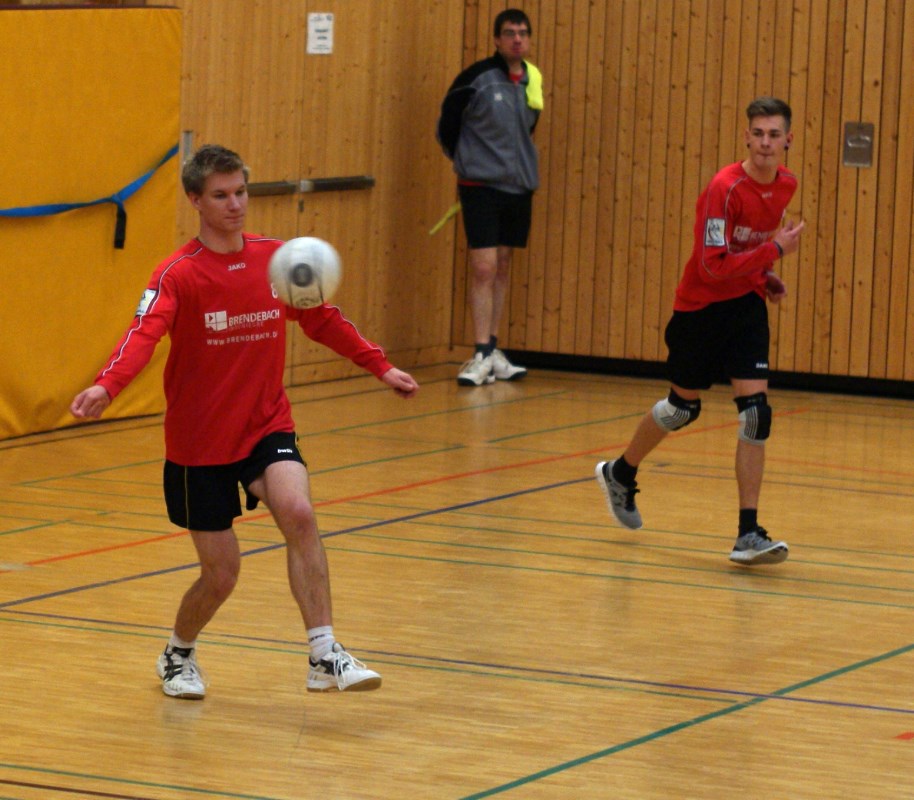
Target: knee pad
674	412
754	417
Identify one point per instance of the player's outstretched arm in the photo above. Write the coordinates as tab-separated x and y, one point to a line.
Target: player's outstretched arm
401	382
90	403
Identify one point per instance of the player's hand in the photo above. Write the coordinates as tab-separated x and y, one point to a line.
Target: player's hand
401	382
788	236
774	288
90	403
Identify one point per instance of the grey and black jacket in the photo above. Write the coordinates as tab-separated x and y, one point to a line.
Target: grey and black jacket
486	127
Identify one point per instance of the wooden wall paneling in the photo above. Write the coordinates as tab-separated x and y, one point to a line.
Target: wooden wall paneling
596	67
848	193
641	132
337	139
532	264
790	69
805	158
881	341
676	228
901	325
709	155
624	176
609	110
573	272
827	51
658	133
729	73
864	254
705	38
726	71
430	178
561	137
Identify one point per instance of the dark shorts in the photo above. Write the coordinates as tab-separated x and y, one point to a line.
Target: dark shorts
719	342
492	218
207	499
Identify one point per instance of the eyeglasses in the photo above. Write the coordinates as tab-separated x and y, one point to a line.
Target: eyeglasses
513	33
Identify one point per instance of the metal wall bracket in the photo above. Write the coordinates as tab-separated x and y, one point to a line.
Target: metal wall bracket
858	144
340	184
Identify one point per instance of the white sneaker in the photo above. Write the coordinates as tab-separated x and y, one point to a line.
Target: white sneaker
181	677
340	671
503	369
476	371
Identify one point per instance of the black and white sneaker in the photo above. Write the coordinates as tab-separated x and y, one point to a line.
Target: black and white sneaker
619	497
339	671
756	548
181	677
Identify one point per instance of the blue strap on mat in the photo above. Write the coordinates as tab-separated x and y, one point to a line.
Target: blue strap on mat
118	198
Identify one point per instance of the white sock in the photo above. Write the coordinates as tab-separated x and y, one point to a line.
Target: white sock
177	641
321	641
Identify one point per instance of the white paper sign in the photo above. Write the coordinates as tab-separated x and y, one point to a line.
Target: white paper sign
320	34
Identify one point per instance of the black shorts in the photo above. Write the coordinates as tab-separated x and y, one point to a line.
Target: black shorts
206	498
720	342
492	218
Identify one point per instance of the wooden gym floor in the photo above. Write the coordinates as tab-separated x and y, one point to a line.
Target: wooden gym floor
530	647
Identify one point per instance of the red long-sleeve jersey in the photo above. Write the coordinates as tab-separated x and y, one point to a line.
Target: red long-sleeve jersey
224	373
735	220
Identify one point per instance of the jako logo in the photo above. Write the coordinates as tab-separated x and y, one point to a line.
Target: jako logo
216	320
240	265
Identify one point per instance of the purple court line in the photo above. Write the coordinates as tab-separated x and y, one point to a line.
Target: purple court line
534	671
278	545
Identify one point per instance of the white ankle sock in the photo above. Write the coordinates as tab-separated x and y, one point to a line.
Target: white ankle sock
320	641
177	641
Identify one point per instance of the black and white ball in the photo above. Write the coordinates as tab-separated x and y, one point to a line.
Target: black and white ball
305	272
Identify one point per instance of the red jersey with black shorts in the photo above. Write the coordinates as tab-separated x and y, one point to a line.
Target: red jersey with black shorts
719	328
224	374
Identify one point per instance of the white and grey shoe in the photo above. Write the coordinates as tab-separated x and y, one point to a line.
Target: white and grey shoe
756	548
476	371
619	497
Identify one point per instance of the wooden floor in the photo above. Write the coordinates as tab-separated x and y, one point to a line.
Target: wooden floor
530	647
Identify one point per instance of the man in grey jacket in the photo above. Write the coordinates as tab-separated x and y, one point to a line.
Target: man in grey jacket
486	128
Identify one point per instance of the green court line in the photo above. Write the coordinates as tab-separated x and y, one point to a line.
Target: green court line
668	731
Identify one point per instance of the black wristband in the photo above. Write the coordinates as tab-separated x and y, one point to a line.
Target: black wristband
780	249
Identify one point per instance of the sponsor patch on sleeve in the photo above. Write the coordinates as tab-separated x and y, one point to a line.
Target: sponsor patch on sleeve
714	232
145	300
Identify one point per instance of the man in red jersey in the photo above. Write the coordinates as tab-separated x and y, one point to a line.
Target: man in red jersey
228	420
719	327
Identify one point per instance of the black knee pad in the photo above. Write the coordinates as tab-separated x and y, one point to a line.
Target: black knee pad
674	412
754	417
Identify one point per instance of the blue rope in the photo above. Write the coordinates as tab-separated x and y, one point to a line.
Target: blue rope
118	199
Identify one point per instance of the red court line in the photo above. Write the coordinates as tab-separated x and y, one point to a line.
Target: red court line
402	488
